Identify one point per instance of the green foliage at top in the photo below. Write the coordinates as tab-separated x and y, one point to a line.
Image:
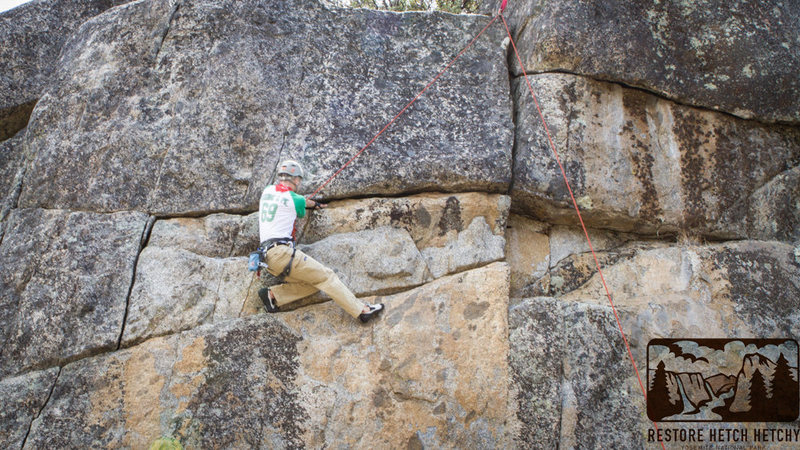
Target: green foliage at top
452	6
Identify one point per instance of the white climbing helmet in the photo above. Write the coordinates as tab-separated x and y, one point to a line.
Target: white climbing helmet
291	168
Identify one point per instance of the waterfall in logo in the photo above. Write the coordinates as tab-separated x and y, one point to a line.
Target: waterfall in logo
688	407
694	410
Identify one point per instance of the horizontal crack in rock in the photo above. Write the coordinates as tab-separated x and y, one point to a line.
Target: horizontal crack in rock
657	94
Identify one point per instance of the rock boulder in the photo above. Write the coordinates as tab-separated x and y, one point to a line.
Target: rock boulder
420	375
735	56
65	282
33	35
637	162
177	107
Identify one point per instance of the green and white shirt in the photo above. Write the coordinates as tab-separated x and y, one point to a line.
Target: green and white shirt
278	210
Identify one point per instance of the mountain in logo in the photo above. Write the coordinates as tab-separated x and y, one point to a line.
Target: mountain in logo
752	363
765	391
721	384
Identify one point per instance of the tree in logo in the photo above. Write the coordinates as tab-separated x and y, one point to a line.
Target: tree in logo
758	396
784	392
659	404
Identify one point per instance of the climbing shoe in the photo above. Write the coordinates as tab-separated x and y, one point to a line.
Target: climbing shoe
268	301
374	310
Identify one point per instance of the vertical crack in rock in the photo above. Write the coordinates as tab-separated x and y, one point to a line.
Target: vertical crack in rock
247	296
148	228
162	35
560	404
514	117
44	405
428	272
13	200
216	302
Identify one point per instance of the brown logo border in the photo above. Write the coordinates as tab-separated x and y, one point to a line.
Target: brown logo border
656	412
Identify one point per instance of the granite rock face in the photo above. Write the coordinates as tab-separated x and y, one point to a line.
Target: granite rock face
738	56
747	288
176	107
310	377
422	377
535	334
226	386
12	169
475	130
64	295
213	236
193	270
637	162
70	276
575	384
33	35
129	208
432	219
176	290
21	400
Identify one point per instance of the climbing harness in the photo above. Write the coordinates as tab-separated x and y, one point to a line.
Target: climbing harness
258	257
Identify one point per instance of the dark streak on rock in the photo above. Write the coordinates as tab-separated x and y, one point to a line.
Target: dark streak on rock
230	396
451	217
641	155
577	270
692	141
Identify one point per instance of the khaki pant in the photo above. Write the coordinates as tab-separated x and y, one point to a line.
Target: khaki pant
307	277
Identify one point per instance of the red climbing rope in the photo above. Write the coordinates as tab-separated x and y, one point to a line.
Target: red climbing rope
555	153
578	212
405	108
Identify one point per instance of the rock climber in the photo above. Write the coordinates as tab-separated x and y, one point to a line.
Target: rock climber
302	276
